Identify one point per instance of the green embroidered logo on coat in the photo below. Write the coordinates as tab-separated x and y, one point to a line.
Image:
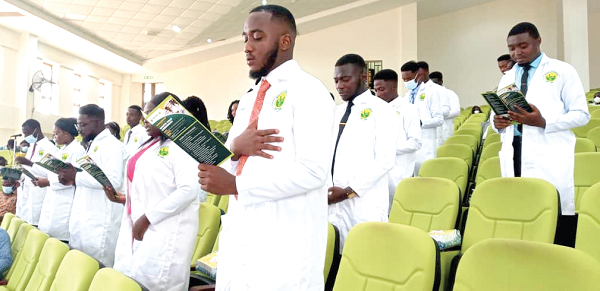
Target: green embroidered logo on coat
135	139
41	153
279	100
163	152
65	156
365	113
398	113
551	77
422	97
96	149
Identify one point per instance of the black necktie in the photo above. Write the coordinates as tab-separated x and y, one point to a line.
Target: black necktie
517	142
342	125
524	78
128	136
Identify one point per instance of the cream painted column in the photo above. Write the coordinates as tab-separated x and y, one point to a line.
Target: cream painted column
26	67
575	37
407	37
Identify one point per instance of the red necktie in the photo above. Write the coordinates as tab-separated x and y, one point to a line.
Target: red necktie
258	103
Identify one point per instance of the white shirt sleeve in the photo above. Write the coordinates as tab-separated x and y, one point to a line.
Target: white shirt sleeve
444	103
409	138
454	104
573	96
436	117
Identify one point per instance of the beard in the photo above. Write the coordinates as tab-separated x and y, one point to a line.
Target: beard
268	66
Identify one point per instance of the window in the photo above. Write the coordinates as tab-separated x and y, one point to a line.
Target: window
49	90
77	96
151	89
104	97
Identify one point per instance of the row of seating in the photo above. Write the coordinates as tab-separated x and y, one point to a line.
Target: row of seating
41	263
221	126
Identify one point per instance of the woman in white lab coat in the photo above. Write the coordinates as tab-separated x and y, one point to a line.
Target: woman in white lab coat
56	210
160	220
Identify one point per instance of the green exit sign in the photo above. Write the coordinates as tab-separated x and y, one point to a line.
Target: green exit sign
148	77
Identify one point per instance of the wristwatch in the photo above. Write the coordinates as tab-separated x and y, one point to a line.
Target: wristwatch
350	193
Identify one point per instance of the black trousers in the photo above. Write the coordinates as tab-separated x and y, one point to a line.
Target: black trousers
566	230
517	144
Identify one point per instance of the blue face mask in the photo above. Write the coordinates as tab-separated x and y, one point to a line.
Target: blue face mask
412	84
31	139
7	189
24	149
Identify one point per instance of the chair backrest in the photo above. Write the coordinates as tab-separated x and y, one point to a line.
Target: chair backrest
460	151
595	114
24	266
454	169
387	256
13	228
472	132
488	170
491	150
506	264
75	272
213	199
111	279
583	130
588	223
17	245
209	218
6	220
584	145
492	138
594	135
585	173
517	208
469	140
224	203
52	255
426	203
333	244
8	155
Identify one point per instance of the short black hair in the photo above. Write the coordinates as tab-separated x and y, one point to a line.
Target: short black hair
410	66
11	142
525	27
505	57
386	75
423	65
436	75
196	106
136	108
67	125
31	123
115	126
3	161
353	59
92	110
229	115
280	13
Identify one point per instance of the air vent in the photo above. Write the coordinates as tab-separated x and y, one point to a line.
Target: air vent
151	32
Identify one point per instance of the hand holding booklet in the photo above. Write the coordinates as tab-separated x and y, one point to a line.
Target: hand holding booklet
505	99
87	164
179	125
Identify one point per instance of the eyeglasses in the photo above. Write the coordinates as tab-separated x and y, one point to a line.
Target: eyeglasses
80	125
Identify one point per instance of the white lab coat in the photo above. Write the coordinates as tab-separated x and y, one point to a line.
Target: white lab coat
365	154
165	189
409	142
454	103
428	102
95	220
444	108
56	211
31	198
138	137
549	153
274	236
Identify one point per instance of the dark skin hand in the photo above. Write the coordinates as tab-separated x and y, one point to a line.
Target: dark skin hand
139	227
253	142
67	176
112	194
337	195
41	182
533	118
24	161
216	180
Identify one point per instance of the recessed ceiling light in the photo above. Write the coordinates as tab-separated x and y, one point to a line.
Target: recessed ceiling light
209	40
264	2
176	28
75	16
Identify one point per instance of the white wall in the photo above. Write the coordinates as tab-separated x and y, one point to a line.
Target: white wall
220	81
464	45
594	49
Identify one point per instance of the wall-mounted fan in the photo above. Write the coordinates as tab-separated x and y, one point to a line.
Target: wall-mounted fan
37	81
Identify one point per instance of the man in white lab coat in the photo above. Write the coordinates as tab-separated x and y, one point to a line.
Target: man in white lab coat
427	100
95	221
409	128
453	102
542	145
444	103
136	135
275	232
365	129
31	198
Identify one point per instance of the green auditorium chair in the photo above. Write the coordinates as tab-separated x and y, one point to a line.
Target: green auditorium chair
507	264
490	151
213	199
209	217
588	223
595	114
6	219
460	151
594	136
385	256
111	279
23	267
492	138
224	203
332	250
13	228
488	170
52	255
469	140
451	168
584	145
472	132
17	245
583	130
8	155
585	174
75	272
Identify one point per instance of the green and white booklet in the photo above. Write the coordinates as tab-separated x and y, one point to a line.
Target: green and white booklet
88	165
179	125
505	99
53	164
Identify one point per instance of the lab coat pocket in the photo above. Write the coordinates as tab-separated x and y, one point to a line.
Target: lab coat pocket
152	253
